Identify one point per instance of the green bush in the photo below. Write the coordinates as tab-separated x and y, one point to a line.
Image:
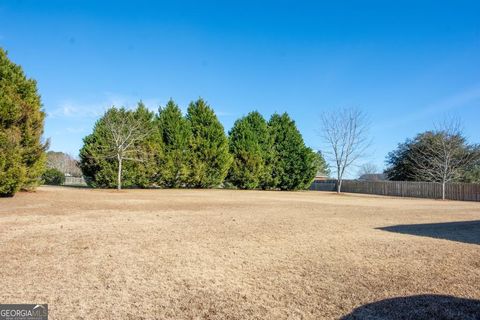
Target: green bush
22	154
53	177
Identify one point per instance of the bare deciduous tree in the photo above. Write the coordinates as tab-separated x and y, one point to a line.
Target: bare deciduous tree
63	162
123	130
345	131
444	159
368	169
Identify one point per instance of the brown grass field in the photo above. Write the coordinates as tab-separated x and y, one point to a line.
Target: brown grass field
219	254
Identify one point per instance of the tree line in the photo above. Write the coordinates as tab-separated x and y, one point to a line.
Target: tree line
138	148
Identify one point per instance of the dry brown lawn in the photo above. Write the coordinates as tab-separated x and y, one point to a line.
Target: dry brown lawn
219	254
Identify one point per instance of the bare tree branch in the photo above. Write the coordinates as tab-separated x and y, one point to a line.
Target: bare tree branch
445	157
346	133
368	170
123	133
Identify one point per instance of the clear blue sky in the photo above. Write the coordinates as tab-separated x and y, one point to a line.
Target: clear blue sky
405	63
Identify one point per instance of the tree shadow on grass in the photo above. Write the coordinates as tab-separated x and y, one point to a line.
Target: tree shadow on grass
461	231
421	307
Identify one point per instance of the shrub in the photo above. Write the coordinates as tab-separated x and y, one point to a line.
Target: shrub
53	177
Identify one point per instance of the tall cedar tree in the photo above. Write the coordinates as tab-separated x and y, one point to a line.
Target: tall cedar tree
210	159
251	146
22	153
99	156
294	165
321	165
174	132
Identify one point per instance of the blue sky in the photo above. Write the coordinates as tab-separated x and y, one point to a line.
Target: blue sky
405	63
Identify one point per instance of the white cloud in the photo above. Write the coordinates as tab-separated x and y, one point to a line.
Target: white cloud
85	110
457	101
71	109
74	109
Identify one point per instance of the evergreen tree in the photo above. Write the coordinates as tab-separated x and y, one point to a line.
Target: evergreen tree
472	173
149	149
210	159
293	165
441	156
174	133
251	146
22	154
400	165
122	150
403	165
321	165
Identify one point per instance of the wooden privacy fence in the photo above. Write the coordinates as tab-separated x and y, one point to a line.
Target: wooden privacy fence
431	190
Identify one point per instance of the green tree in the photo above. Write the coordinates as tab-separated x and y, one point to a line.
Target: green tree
400	165
122	150
210	159
472	174
251	146
441	156
414	158
174	133
321	165
12	170
294	165
22	153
